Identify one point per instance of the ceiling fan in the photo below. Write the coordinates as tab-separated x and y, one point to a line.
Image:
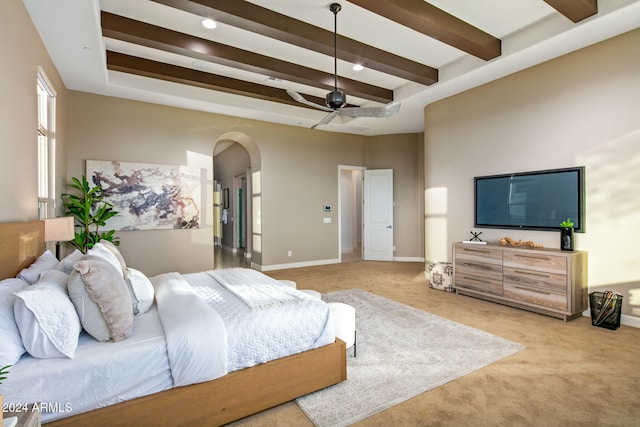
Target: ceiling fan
336	100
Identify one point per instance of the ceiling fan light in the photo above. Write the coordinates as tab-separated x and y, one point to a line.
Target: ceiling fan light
335	99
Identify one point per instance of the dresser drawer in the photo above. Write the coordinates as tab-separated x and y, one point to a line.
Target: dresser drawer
536	261
478	283
536	279
482	254
535	296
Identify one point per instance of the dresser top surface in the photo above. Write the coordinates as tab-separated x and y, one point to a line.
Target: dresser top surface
519	248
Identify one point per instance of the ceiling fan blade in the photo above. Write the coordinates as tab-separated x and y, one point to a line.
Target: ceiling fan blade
385	111
336	99
326	119
301	99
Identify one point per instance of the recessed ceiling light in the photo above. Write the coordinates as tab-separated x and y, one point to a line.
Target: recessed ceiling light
209	24
357	67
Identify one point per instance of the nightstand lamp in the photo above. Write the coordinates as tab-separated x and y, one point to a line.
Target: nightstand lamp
58	230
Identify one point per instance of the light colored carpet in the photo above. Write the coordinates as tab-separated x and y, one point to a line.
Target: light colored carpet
401	352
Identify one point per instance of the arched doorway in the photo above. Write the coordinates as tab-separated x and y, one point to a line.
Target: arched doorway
236	171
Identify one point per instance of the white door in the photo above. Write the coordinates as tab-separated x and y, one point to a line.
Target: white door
378	215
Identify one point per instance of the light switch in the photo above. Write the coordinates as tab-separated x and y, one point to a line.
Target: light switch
326	220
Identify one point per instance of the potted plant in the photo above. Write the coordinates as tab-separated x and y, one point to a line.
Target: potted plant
91	212
3	376
566	235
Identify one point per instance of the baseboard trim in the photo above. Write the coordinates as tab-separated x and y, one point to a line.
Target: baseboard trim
408	259
320	262
625	319
295	264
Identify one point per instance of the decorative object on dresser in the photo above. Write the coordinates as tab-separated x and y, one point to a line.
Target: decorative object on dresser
566	235
476	236
508	241
546	281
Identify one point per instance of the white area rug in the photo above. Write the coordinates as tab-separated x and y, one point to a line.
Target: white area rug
401	352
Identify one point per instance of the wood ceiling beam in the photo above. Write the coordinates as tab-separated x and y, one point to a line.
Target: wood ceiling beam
436	23
172	73
575	10
257	19
132	31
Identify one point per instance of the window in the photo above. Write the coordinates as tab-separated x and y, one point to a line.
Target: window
46	146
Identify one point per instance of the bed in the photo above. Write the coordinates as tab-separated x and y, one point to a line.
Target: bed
178	388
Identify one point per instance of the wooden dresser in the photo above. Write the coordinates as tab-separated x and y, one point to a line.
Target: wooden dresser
547	281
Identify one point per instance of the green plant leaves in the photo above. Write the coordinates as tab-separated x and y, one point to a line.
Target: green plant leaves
91	211
567	223
3	373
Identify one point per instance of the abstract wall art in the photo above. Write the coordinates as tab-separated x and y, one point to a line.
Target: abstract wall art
149	196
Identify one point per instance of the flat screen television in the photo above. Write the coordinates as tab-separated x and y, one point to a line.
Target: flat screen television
538	200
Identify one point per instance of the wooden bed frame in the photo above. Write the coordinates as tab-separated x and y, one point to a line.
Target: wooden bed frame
234	396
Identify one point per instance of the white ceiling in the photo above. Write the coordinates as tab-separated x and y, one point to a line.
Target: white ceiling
531	32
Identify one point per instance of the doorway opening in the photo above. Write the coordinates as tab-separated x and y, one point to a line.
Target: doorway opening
236	167
350	204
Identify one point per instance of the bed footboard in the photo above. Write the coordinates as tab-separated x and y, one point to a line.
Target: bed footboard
234	396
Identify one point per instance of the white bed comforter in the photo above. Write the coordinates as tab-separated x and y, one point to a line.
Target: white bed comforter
197	331
196	336
100	373
260	335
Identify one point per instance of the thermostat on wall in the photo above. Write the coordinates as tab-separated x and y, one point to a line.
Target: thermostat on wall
327	208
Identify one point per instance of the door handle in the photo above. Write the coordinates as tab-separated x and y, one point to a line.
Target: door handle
389	226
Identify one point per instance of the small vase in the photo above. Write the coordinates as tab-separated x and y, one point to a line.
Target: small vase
566	238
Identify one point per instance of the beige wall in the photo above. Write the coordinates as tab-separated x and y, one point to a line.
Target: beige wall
105	128
299	170
21	52
580	109
396	152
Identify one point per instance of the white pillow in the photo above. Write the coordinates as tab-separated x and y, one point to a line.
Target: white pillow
11	348
103	252
141	291
56	277
114	249
47	320
66	265
46	261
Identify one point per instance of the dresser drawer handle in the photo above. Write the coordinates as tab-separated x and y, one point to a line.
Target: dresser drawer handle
544	258
483	251
532	290
477	280
531	273
478	265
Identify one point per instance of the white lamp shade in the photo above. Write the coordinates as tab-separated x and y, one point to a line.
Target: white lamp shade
58	229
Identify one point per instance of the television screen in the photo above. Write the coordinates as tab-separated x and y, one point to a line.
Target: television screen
538	200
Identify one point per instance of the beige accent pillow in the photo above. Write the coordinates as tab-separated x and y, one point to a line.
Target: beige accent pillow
101	298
